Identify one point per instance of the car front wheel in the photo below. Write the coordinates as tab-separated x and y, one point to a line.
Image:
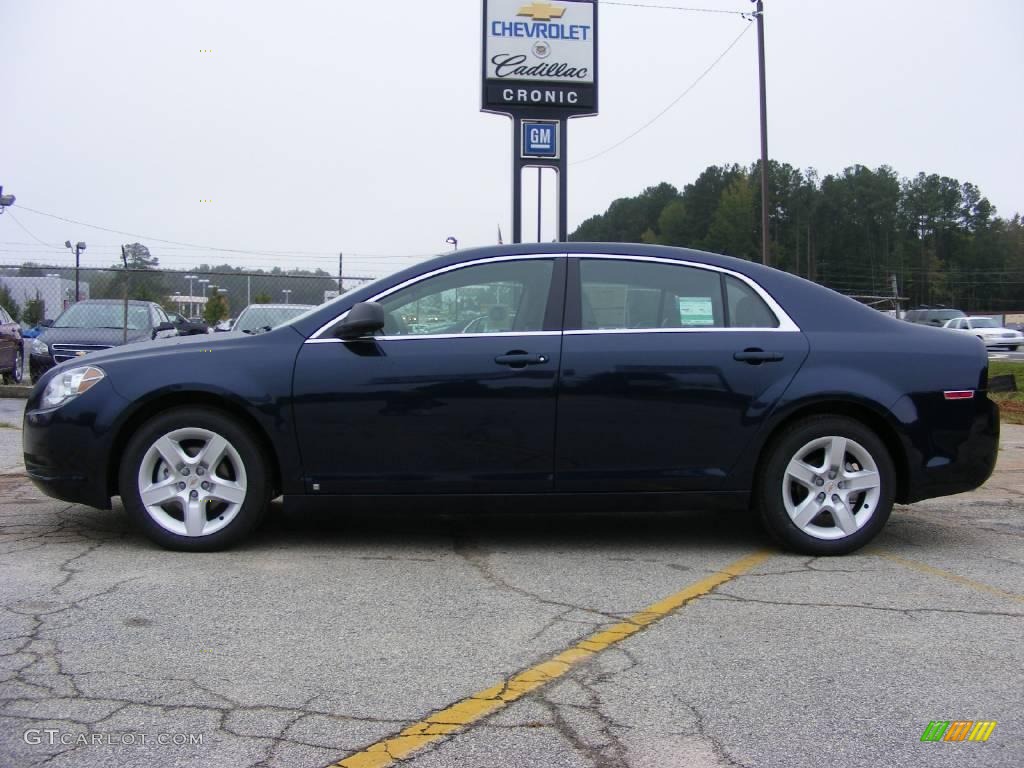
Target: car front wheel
18	371
194	480
827	487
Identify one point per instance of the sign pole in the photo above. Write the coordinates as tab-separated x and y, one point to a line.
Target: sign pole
563	184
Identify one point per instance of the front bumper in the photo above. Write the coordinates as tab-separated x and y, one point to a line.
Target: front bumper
67	449
997	343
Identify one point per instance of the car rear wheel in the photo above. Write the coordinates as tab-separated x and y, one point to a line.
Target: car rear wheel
194	480
827	487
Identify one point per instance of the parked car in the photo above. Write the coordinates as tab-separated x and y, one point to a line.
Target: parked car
12	349
93	325
260	318
187	327
937	316
989	331
631	375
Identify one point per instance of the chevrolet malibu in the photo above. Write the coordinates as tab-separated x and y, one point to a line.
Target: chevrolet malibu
580	373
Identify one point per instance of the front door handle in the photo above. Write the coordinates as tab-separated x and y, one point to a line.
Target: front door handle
519	359
757	356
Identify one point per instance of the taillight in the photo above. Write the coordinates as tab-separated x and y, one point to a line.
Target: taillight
959	394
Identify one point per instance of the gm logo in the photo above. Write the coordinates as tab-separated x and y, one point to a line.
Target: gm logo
540	139
958	730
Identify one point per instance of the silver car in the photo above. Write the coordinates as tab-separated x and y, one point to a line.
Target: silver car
989	331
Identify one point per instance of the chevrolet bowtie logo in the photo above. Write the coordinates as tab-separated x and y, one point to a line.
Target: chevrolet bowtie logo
542	11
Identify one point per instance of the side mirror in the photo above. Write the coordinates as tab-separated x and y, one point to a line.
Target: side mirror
364	319
162	327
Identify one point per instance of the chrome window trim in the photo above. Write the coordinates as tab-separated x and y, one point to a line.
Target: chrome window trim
599	331
503	334
786	324
315	338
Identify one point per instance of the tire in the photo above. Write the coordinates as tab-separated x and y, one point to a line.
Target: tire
800	459
17	373
182	511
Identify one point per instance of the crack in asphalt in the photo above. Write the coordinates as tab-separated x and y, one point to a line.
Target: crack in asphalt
477	559
722	595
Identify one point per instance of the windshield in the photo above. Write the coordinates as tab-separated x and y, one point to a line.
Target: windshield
102	316
984	322
258	317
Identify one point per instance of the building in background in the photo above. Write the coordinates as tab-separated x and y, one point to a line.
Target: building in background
56	293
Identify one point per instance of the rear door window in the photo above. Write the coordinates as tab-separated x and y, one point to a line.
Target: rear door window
627	295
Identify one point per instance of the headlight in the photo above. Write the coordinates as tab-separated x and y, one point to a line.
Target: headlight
39	347
70	384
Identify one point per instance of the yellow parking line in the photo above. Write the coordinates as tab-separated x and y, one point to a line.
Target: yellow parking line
930	569
463	713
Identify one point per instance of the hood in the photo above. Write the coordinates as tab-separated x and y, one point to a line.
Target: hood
100	336
185	345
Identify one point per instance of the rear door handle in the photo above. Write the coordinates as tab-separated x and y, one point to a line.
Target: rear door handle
757	356
517	359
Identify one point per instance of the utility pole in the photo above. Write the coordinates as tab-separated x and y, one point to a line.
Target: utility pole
127	277
340	259
764	131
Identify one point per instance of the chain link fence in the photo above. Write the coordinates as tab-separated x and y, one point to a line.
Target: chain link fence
64	313
118	306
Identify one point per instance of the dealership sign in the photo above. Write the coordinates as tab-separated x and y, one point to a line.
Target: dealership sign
540	57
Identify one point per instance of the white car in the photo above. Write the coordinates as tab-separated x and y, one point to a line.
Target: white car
988	330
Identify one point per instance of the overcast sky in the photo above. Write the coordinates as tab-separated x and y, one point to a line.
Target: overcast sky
315	127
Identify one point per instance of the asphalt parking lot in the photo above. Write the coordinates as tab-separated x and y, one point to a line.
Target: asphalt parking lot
630	639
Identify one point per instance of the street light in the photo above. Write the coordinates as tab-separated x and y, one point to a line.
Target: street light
453	241
77	248
191	304
287	295
5	200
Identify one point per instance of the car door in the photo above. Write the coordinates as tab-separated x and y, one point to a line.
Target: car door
457	394
668	371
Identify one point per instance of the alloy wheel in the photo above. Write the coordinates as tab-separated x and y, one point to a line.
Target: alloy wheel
831	487
192	482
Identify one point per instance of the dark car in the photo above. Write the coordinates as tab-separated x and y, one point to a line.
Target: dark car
187	327
937	316
629	374
12	349
94	325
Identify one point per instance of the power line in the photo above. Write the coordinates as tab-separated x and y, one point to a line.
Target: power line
28	231
199	246
673	8
675	101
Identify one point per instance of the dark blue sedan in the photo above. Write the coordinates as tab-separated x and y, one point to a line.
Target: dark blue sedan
638	374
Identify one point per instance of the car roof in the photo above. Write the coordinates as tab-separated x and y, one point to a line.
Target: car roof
280	306
811	306
119	302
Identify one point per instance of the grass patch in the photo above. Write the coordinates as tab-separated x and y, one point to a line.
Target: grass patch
1011	404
